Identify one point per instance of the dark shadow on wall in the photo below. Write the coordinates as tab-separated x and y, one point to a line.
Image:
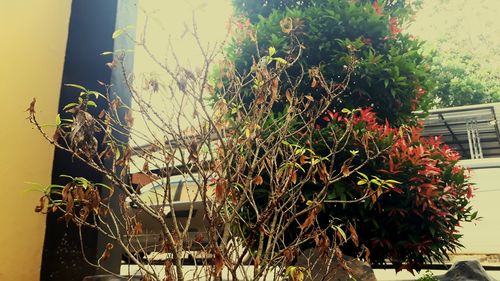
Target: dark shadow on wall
92	22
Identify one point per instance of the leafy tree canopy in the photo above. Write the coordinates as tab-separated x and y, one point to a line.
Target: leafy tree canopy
462	39
390	73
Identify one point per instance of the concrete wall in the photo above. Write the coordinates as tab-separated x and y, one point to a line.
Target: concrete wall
483	237
32	46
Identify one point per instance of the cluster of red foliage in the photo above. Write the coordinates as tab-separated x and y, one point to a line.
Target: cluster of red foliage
416	221
393	23
425	211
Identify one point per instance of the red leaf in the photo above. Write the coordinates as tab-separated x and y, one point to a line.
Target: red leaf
378	9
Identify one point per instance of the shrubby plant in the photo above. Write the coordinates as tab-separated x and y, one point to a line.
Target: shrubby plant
228	151
461	81
400	216
301	137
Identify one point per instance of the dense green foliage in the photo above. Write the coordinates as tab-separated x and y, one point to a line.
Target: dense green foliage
462	41
254	9
406	205
461	81
390	74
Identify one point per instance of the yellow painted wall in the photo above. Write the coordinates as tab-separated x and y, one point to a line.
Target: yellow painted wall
33	36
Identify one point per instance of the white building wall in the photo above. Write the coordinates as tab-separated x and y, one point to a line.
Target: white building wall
483	237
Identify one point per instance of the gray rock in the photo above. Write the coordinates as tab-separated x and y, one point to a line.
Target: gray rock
322	270
466	271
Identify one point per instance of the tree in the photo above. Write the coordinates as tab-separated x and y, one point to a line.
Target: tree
226	152
388	79
464	64
390	74
461	81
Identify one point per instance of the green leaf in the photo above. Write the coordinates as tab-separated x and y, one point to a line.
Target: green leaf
117	153
362	182
106	53
280	60
473	216
117	33
76	86
66	176
363	175
58	120
96	94
69	105
103	185
340	231
346	111
91	103
272	51
393	181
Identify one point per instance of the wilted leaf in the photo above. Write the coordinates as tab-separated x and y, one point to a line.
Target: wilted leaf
218	263
169	274
57	135
107	252
323	173
274	89
322	242
288	95
286	25
367	253
31	108
346	168
293	176
354	235
258	180
289	254
41	206
193	152
311	218
138	228
256	262
129	118
220	189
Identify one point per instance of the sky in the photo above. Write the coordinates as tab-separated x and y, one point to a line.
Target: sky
166	25
462	26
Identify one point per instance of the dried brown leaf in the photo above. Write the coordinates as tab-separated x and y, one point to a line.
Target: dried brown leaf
258	180
311	218
138	228
31	108
286	25
41	206
129	118
354	235
218	263
289	254
220	189
256	262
